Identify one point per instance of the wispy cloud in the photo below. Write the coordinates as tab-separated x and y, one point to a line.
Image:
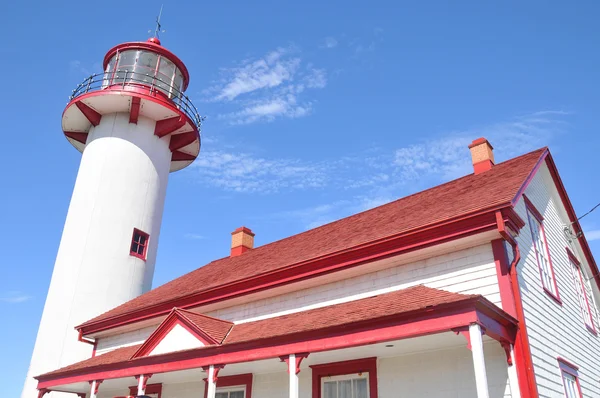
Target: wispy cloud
243	172
328	42
593	235
193	236
15	297
375	176
267	88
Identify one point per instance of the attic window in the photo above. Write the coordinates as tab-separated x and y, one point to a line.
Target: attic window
139	244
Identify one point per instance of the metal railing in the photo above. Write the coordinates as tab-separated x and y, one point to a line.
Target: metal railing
124	78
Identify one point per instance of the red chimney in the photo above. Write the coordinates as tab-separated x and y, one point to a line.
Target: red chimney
482	154
242	240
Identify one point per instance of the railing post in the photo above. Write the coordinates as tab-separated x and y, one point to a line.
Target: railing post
89	83
124	78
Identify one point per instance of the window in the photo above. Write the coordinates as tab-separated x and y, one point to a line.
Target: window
152	390
347	386
348	379
580	289
139	244
232	392
236	386
542	253
570	379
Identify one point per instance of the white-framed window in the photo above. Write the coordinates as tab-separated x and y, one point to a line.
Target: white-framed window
580	289
346	386
231	392
571	385
542	253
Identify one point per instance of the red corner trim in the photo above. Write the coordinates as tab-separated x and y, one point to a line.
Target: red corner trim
42	392
503	274
167	126
79	137
180	140
522	349
181	156
155	388
91	115
234	380
299	359
365	365
174	318
134	112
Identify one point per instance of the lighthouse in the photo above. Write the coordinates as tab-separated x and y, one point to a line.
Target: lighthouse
133	125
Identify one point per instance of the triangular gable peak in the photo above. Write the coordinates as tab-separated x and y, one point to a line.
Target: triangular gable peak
184	330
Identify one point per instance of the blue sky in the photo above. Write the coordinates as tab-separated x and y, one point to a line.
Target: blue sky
315	110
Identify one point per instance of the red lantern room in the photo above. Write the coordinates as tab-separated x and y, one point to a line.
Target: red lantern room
142	79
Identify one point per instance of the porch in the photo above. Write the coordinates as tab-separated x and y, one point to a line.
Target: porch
442	345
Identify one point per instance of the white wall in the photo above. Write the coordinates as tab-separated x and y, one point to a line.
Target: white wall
470	271
110	343
121	185
177	339
434	374
554	330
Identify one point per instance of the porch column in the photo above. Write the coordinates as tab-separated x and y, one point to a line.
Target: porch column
293	362
211	382
478	361
142	382
294	387
513	379
94	388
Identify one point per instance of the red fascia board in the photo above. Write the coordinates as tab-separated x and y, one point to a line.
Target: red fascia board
349	258
587	252
529	178
442	318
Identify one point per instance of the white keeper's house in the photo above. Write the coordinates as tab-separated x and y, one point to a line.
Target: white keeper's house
481	287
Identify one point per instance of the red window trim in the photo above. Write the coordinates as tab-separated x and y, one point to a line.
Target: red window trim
345	368
575	261
532	210
244	379
155	388
145	246
571	369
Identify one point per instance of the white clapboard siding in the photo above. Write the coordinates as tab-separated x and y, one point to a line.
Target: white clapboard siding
554	330
469	271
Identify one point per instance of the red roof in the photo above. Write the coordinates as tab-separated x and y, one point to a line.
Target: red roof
395	304
457	198
215	328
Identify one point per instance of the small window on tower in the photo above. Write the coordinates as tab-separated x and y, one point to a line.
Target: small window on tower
139	244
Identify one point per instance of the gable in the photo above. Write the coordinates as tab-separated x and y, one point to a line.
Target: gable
183	330
179	338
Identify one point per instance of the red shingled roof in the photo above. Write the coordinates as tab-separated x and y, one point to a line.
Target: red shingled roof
465	195
215	328
387	305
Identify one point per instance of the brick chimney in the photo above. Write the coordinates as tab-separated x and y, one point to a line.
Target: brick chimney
482	154
242	240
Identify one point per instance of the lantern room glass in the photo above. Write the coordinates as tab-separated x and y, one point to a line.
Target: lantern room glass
144	68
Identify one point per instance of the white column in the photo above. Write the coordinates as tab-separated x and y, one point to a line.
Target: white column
141	390
513	379
478	361
94	389
293	376
211	385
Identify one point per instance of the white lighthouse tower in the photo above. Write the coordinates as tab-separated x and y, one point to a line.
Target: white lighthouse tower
133	125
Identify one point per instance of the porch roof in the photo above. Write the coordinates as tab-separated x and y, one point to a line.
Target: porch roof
411	312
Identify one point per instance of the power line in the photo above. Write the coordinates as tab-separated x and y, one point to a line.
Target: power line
593	208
